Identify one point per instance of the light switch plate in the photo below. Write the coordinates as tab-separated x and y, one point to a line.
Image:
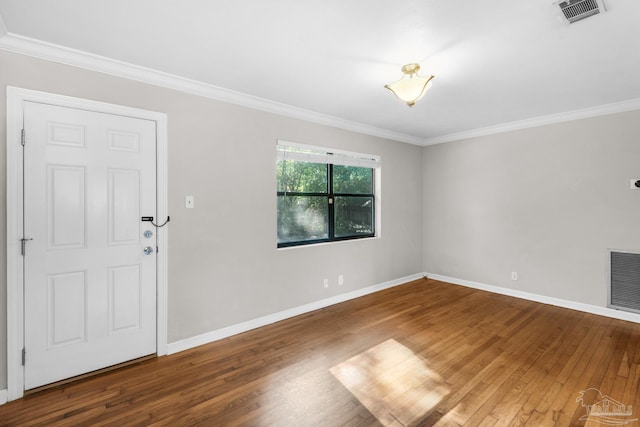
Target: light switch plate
188	202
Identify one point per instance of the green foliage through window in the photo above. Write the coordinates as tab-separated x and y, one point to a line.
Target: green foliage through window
320	202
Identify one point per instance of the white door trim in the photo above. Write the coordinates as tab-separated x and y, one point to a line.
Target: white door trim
16	97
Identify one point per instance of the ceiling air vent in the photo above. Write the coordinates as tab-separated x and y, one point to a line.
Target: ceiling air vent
575	10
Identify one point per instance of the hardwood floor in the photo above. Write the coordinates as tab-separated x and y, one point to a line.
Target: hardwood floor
424	353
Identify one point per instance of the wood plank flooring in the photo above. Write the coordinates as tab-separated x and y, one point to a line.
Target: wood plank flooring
483	360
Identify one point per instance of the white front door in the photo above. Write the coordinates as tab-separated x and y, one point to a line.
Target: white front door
89	286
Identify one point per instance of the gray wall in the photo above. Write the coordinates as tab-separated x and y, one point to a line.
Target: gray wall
223	264
545	202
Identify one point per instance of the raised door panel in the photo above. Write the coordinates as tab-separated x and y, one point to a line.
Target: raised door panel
124	298
124	206
124	141
66	210
66	134
67	308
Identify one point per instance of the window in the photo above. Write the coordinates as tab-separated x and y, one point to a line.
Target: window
324	195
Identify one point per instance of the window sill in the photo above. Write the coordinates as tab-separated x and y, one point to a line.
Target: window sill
337	242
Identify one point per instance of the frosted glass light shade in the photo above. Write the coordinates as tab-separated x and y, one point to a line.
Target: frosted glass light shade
411	87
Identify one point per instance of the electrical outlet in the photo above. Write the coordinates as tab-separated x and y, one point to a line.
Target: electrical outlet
341	280
326	283
514	275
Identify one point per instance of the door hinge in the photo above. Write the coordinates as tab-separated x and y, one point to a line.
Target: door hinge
23	245
22	138
24	355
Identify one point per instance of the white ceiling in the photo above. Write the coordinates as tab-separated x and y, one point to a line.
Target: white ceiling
498	63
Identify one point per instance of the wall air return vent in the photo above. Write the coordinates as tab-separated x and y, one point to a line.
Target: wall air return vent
575	10
624	290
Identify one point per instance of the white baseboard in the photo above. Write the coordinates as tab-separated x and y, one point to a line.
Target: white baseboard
3	396
573	305
238	328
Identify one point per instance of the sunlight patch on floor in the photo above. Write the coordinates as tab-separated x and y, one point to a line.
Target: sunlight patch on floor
393	383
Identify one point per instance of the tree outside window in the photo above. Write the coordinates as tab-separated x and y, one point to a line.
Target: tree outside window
323	202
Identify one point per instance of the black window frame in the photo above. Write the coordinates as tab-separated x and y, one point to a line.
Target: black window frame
331	195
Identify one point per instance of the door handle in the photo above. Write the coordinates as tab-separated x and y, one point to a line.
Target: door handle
148	250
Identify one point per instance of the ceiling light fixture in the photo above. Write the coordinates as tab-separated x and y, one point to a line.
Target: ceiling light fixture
411	87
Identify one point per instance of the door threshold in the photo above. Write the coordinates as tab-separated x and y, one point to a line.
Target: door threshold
89	374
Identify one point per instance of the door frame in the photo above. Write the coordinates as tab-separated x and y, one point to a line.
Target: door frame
16	97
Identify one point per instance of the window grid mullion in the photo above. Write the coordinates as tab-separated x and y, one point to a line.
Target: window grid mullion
293	193
331	201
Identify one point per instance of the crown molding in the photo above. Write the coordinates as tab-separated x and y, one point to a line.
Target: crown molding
600	110
77	58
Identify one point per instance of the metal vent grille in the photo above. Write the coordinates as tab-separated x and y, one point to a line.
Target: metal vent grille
575	10
625	281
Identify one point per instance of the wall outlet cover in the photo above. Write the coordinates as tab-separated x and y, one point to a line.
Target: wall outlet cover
189	202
